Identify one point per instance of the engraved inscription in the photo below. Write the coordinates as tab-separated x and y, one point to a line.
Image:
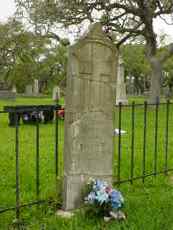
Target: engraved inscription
85	67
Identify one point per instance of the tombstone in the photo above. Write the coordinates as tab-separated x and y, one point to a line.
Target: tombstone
90	96
130	85
56	93
121	86
36	87
5	92
28	90
14	90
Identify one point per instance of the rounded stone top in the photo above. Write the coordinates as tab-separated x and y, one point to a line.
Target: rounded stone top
95	33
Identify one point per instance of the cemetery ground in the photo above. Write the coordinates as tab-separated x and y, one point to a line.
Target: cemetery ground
148	205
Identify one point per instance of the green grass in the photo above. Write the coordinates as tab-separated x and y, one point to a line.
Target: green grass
27	147
148	206
150	139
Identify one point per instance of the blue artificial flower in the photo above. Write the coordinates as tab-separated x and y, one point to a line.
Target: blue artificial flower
91	197
99	185
102	193
116	199
102	197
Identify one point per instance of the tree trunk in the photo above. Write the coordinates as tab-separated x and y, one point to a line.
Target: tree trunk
156	77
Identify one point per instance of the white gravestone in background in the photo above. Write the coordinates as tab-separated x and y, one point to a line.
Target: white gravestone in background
14	90
56	93
28	90
121	86
36	87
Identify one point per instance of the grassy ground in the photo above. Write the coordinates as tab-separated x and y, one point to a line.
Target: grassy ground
148	206
150	139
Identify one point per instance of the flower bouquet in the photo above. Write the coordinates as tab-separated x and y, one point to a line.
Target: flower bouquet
105	200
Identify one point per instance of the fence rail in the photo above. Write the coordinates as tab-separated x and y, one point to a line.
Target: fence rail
144	151
15	113
151	136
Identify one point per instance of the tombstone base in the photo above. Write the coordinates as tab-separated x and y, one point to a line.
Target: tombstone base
74	189
64	214
6	94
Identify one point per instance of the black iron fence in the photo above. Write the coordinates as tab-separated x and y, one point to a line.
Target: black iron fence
143	148
35	117
144	141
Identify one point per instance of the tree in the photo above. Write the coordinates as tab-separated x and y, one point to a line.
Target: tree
20	50
52	67
26	55
13	39
136	65
168	76
127	18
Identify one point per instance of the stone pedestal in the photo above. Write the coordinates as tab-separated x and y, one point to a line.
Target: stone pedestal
7	94
121	86
14	90
36	87
28	90
56	93
88	119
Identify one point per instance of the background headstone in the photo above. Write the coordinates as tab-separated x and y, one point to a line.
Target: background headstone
36	87
5	92
56	93
14	90
121	86
28	90
90	96
130	85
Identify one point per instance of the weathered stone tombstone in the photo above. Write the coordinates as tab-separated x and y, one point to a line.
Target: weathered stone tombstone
56	93
28	90
166	92
36	87
121	95
14	89
89	102
130	85
5	92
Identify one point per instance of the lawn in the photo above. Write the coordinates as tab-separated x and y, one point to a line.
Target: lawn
148	206
151	138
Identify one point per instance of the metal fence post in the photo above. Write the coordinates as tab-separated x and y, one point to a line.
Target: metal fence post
119	143
132	141
156	137
17	166
166	136
56	145
37	157
144	141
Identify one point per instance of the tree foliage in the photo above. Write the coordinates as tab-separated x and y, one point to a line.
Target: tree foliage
135	62
26	56
127	19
